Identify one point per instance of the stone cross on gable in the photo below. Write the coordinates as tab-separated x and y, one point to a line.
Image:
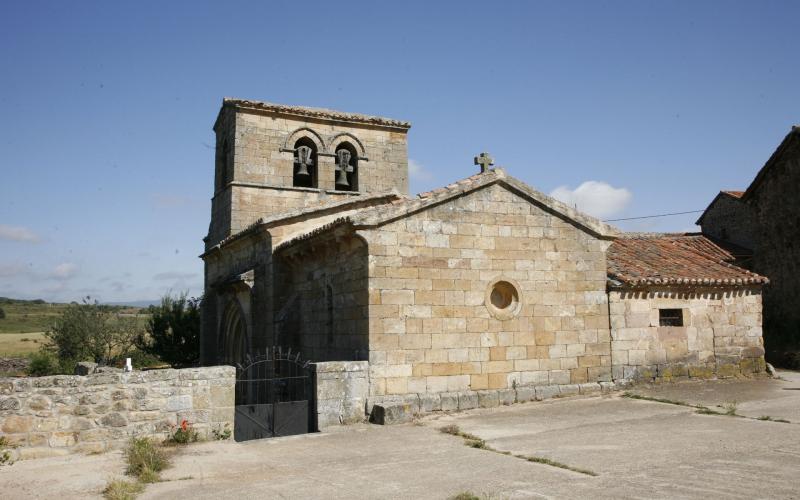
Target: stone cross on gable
484	160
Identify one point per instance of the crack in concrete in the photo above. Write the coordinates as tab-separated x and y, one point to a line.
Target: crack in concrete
474	441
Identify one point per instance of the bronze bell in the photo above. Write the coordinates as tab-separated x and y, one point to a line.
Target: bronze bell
303	160
343	164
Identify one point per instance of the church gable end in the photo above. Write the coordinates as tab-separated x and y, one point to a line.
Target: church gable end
485	291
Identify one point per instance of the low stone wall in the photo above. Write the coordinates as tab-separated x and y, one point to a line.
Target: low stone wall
72	413
342	390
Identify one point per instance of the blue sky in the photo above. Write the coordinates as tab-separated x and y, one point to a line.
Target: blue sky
625	108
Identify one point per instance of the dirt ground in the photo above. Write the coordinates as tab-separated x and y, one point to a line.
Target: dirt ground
638	448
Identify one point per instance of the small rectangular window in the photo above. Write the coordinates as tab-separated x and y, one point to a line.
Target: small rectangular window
670	317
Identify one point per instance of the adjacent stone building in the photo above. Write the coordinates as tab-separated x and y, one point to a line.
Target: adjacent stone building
483	285
730	219
766	219
680	307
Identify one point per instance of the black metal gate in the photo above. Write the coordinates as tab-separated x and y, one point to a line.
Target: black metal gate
274	396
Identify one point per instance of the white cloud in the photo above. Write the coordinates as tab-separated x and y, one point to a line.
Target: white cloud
595	198
417	171
18	233
64	271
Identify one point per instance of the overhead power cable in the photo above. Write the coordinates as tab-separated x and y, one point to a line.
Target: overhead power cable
654	216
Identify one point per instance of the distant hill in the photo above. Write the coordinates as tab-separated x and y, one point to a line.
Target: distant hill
7	300
25	316
40	302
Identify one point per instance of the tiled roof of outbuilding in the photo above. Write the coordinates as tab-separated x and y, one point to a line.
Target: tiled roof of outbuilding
675	259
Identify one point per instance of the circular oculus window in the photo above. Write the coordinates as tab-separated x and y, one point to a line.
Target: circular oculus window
503	298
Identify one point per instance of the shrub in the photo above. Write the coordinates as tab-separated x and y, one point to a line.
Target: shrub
90	331
141	359
184	434
44	363
222	433
145	459
2	313
173	331
122	490
5	453
465	495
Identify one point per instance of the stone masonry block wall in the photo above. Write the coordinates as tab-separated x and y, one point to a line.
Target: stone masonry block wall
730	219
322	302
250	254
720	336
430	328
404	408
342	391
261	137
261	165
71	413
249	203
777	253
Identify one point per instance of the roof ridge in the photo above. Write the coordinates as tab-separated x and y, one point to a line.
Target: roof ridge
299	212
672	260
324	113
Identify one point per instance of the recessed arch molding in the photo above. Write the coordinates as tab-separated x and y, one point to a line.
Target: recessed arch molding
325	146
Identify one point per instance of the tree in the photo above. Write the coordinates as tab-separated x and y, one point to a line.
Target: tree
2	313
90	331
173	331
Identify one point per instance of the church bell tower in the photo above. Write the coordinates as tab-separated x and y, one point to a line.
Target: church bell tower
272	159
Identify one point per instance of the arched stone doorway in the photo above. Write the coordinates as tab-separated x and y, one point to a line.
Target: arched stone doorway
234	335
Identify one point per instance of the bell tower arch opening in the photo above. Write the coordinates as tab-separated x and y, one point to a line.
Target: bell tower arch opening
346	167
305	164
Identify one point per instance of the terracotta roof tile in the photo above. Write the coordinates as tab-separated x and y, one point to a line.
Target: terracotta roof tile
735	194
675	259
402	207
283	217
315	112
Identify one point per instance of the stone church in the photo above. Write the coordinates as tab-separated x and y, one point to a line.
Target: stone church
482	285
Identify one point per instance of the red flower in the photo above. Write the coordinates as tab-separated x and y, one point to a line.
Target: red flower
184	425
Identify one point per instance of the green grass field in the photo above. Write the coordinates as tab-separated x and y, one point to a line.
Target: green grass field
19	345
24	317
22	329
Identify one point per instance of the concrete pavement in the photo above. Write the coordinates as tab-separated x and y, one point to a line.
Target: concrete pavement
638	448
